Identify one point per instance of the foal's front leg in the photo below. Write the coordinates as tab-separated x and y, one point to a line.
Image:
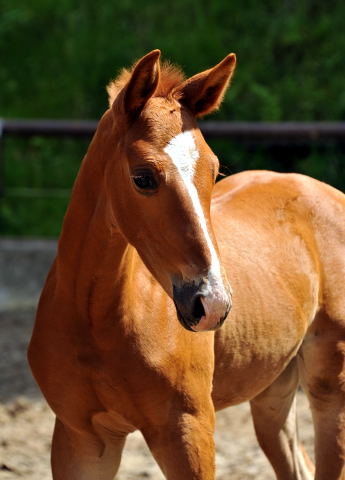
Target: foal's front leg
184	447
84	456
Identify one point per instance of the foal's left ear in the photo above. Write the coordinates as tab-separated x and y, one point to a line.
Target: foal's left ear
142	84
204	92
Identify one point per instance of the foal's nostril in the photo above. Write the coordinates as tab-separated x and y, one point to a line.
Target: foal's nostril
198	310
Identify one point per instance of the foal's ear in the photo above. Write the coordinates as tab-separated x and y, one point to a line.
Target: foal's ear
204	92
142	84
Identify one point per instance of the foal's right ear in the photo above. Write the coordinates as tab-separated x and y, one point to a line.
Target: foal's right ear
142	84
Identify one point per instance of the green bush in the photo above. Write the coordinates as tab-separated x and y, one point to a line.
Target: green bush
56	58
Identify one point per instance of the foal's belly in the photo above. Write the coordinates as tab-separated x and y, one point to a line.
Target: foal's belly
250	354
275	298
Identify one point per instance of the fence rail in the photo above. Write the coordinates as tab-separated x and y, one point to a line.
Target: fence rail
271	133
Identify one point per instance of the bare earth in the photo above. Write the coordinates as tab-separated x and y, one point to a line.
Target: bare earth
26	424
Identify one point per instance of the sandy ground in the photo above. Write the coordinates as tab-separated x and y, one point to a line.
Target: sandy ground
26	424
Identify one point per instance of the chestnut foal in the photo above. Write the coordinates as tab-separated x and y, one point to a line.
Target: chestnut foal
139	272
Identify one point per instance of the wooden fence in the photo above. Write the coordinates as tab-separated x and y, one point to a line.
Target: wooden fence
248	132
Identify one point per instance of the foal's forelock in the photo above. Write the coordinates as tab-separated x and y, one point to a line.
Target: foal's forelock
170	77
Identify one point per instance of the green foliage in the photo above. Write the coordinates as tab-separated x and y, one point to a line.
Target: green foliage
38	176
57	57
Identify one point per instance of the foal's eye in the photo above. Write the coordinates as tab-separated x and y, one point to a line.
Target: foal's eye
145	180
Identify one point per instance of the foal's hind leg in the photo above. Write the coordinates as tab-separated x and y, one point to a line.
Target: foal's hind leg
77	456
274	416
322	366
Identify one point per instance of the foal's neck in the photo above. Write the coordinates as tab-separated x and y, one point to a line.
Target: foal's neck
91	251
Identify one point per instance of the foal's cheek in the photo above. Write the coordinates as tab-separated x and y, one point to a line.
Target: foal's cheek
162	276
128	217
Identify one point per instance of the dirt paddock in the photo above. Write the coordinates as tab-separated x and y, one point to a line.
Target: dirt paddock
26	424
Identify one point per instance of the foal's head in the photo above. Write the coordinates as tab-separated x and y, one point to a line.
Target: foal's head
161	179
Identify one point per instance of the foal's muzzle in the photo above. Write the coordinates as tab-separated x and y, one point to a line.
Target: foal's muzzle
200	306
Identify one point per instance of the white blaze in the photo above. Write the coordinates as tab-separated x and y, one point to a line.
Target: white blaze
184	155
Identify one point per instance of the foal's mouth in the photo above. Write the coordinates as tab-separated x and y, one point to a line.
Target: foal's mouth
201	305
186	323
199	312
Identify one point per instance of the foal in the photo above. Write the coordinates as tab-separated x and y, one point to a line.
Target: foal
139	271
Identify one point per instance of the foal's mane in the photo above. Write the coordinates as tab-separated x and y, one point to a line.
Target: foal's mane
170	77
